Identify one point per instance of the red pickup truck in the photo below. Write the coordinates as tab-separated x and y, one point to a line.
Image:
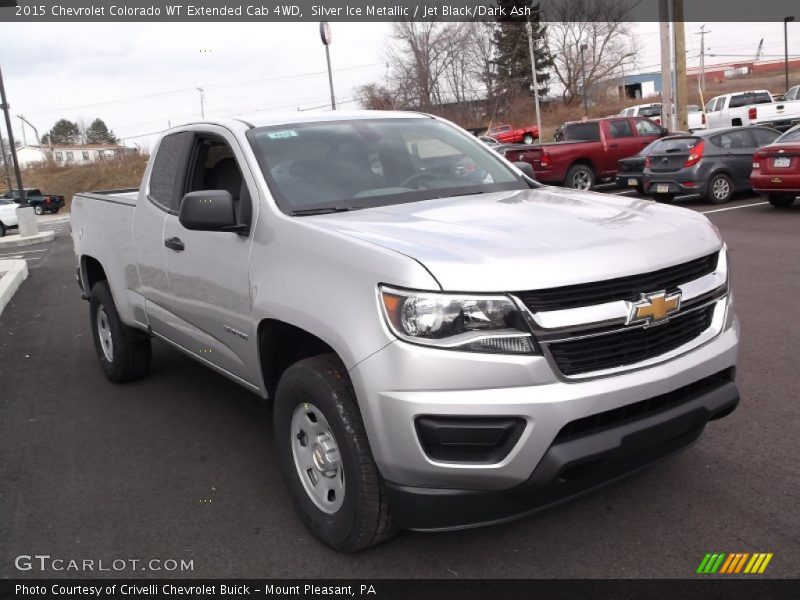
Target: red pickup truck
589	151
506	134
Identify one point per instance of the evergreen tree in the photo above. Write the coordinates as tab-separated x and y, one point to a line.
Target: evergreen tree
64	132
99	133
512	58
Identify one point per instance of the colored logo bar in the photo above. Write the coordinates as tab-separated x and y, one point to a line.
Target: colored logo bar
735	562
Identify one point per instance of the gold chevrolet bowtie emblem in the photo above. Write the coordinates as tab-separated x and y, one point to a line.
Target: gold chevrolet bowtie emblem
652	308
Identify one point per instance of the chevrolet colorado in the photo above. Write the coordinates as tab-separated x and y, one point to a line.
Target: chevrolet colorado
445	342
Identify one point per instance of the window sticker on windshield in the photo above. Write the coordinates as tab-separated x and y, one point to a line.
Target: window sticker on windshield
282	135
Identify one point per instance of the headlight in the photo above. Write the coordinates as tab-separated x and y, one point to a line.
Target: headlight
491	324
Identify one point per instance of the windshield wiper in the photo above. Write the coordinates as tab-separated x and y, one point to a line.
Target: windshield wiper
303	212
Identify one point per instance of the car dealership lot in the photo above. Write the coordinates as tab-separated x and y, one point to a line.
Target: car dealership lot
181	465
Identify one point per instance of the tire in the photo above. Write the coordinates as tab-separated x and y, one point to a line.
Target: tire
640	189
720	189
2	230
38	209
129	355
780	200
527	139
664	198
580	177
316	393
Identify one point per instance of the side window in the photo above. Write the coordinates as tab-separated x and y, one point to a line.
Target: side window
213	166
70	157
764	136
168	170
647	128
735	140
59	157
620	128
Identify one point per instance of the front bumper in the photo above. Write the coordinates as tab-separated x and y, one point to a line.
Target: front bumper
571	467
403	382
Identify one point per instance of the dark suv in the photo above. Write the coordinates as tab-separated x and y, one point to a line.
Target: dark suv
714	163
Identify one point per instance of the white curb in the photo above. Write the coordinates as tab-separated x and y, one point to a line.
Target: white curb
12	274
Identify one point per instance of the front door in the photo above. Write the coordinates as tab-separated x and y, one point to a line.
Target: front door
208	271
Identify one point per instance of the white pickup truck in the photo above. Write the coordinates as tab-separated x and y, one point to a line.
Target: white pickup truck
755	107
445	342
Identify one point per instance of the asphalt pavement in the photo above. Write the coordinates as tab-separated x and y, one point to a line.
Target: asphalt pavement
181	465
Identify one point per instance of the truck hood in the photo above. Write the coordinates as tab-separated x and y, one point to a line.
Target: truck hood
532	239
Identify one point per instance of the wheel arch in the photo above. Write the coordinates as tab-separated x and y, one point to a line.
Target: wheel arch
91	271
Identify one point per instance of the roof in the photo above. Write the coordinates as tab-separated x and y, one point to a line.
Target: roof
265	119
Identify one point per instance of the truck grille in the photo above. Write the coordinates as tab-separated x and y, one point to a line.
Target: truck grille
629	346
624	288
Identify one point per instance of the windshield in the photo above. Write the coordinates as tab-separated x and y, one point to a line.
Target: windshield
346	165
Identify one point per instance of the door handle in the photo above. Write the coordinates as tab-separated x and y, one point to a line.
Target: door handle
174	243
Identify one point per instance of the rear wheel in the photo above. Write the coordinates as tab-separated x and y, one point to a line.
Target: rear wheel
780	200
326	458
665	198
580	177
38	209
720	189
527	138
124	352
2	230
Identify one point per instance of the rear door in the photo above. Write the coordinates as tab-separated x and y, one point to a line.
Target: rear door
737	148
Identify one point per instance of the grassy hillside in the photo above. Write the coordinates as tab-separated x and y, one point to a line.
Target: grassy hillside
68	180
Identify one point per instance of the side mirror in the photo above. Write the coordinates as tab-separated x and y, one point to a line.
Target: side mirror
526	168
208	210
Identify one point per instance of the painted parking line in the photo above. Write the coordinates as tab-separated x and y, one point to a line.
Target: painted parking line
625	192
23	252
716	210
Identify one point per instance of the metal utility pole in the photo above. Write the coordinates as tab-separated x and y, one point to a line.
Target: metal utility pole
529	27
202	102
325	36
5	107
584	48
702	33
681	96
666	63
786	21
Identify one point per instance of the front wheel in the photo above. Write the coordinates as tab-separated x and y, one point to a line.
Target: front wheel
38	209
780	200
720	189
580	177
2	230
527	139
326	458
124	352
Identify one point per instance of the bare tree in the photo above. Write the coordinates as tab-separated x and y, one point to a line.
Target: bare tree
600	25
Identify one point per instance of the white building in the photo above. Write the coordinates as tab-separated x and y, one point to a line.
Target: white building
69	154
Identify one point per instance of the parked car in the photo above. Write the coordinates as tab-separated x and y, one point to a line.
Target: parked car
8	215
41	203
506	134
714	163
755	107
589	151
440	351
776	169
630	171
793	93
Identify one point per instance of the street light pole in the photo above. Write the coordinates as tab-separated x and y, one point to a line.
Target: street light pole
584	48
202	102
786	21
4	106
325	36
529	27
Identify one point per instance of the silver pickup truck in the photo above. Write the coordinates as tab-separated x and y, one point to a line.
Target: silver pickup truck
445	342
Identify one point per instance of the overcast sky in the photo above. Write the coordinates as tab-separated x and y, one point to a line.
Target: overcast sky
140	77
